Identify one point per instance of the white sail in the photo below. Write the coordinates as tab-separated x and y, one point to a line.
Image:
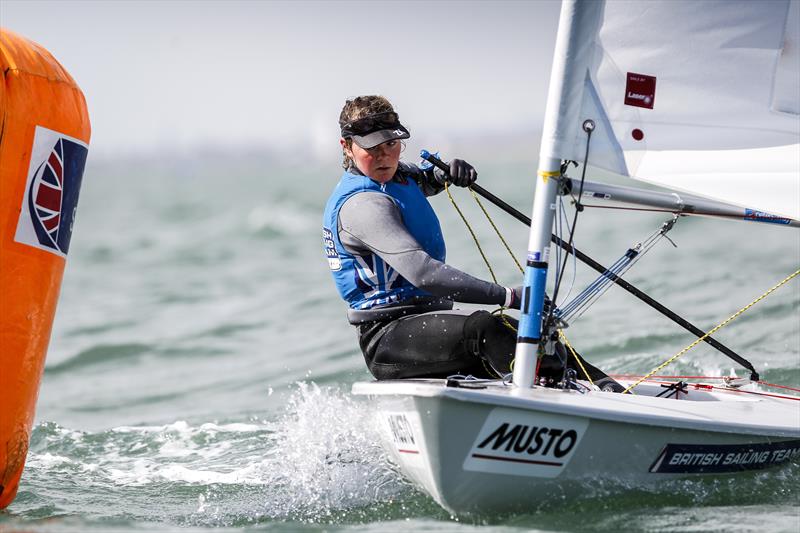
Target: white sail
700	96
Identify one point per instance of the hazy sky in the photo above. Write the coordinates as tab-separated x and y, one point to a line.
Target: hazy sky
178	75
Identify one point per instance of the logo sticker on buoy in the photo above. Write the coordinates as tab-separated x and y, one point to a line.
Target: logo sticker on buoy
50	201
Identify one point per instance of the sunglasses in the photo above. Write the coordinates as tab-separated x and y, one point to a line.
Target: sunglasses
378	121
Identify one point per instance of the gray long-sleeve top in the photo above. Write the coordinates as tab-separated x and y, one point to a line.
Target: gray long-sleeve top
370	222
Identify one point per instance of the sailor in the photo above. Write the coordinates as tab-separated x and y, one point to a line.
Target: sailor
386	252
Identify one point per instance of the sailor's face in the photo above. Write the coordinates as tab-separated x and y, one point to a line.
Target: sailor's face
379	162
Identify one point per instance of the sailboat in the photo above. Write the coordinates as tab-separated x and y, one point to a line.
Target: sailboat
701	98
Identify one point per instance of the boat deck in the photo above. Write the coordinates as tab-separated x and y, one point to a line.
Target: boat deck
733	411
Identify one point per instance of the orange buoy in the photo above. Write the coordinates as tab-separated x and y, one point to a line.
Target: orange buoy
44	140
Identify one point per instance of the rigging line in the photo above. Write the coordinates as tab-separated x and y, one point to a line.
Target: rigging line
717	328
724	389
563	213
483	255
559	227
660	376
572	351
594	289
588	127
557	230
644	297
638	293
503	317
574	265
435	161
497	231
599	286
764	383
471	232
740	391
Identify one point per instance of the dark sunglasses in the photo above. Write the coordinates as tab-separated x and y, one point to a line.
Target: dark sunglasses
378	121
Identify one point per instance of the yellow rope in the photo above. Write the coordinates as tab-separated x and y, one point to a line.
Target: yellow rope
504	319
561	332
480	249
474	238
485	260
514	258
494	227
572	350
717	328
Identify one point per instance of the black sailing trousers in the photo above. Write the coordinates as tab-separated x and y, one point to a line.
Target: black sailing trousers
439	344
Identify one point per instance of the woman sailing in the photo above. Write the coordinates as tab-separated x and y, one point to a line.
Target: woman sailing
386	252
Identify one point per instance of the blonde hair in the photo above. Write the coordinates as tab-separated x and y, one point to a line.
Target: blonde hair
360	107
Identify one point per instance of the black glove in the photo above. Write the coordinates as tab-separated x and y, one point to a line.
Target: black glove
462	174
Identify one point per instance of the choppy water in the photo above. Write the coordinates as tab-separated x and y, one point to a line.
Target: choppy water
200	364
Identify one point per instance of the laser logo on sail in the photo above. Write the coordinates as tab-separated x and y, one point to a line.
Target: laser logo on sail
640	90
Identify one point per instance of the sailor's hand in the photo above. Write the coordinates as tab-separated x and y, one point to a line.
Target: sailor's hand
516	298
462	174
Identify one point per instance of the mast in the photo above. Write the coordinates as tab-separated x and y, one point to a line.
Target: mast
577	27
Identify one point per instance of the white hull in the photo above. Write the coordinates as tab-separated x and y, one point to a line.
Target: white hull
502	448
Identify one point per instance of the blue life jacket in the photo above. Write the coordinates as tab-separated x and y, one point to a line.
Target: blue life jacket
366	281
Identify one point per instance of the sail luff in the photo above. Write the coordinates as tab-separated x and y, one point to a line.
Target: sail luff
574	53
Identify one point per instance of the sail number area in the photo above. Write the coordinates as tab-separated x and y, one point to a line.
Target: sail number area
722	458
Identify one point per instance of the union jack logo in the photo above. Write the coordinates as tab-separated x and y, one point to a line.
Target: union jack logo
51	195
376	280
46	194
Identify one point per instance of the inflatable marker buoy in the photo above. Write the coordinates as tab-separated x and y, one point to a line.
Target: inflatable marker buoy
44	140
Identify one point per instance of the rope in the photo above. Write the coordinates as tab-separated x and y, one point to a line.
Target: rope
483	255
572	351
724	389
474	237
764	383
586	298
497	231
560	331
760	382
588	127
717	328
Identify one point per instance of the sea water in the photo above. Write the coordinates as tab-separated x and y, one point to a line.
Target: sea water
200	364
